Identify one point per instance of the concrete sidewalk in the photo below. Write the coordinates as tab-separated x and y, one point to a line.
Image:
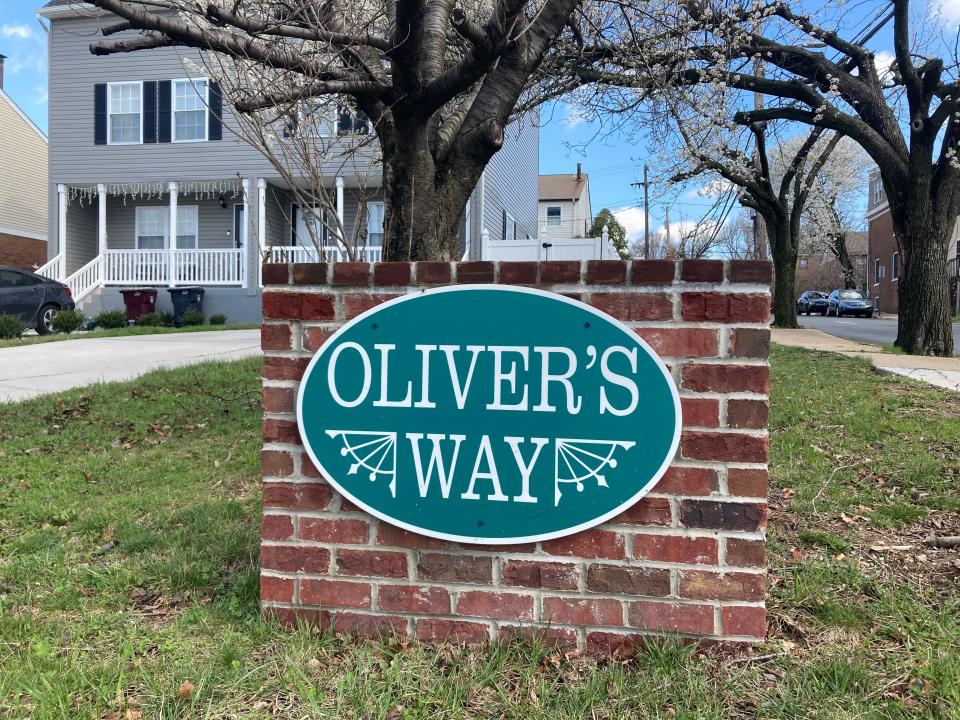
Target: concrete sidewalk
942	372
31	370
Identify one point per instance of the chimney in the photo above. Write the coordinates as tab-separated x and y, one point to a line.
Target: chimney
579	166
2	58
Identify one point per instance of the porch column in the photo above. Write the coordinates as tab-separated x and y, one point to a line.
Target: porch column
261	224
62	229
102	227
172	273
340	220
244	233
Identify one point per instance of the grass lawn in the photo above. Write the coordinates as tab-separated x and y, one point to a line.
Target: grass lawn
122	332
128	567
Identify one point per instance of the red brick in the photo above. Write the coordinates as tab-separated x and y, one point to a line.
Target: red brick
671	617
681	342
480	271
496	605
334	530
433	273
293	617
592	543
284	368
649	511
748	482
279	399
750	343
634	306
295	558
675	549
414	599
751	271
356	303
275	273
747	413
536	574
544	637
617	645
709	271
559	271
740	620
393	536
723	447
351	273
309	273
276	463
368	626
373	563
280	431
440	567
275	337
652	272
726	378
622	580
703	585
314	337
480	547
335	593
700	412
276	589
391	273
745	553
577	611
297	306
606	272
452	631
725	307
276	527
687	481
299	496
307	468
518	273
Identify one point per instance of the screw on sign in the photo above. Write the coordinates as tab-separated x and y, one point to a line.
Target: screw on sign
489	414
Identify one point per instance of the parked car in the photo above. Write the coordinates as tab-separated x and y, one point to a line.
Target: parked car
812	301
32	298
848	302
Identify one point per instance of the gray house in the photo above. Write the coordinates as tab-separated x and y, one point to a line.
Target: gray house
150	184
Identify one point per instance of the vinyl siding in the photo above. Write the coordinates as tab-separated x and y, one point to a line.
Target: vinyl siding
512	181
215	224
81	235
23	174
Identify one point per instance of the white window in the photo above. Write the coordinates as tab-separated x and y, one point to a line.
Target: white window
152	226
375	223
895	266
803	262
510	231
189	110
877	271
554	217
123	113
187	227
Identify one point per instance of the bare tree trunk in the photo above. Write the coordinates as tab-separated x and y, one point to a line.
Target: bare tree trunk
784	252
924	324
838	245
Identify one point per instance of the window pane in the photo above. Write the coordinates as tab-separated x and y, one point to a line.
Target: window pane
124	128
375	223
190	125
189	95
553	216
152	226
150	242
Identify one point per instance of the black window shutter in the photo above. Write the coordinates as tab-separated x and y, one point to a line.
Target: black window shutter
214	118
504	235
164	108
100	114
150	111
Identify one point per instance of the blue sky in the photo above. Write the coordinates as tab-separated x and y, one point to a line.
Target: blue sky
613	163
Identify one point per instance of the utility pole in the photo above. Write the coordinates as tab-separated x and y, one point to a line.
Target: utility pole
646	212
666	224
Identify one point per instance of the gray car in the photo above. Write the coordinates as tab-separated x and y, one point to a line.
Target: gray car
32	299
848	302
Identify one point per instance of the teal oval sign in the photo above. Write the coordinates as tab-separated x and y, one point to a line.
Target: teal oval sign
489	414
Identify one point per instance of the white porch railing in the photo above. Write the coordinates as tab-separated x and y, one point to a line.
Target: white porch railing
210	267
328	253
86	279
136	267
53	269
192	267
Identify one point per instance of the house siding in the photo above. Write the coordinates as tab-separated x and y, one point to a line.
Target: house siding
82	231
215	224
23	175
512	181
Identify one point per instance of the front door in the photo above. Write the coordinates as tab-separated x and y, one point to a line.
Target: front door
238	220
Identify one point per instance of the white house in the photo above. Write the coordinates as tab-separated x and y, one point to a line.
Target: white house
565	210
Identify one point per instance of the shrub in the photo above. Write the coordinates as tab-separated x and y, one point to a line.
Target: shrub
10	327
66	321
166	319
111	319
191	317
151	320
218	319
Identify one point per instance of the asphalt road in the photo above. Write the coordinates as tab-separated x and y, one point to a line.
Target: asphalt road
872	330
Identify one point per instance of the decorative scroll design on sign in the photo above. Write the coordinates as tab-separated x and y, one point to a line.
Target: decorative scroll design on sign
576	461
375	452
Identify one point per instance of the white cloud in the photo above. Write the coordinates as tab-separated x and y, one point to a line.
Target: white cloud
573	117
16	31
949	10
632	220
40	95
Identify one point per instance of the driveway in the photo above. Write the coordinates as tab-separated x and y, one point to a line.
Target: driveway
880	331
31	370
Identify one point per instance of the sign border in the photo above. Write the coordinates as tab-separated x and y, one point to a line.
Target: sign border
328	477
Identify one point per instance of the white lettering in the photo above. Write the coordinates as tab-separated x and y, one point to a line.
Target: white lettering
332	374
384	401
424	401
547	377
485	454
461	391
620	380
436	461
499	376
526	469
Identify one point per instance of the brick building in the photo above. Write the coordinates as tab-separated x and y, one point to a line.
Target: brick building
822	270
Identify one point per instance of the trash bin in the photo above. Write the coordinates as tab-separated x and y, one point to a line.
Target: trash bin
183	299
139	301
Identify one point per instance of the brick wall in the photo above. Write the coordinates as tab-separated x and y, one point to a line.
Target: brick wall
22	252
688	558
883	244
